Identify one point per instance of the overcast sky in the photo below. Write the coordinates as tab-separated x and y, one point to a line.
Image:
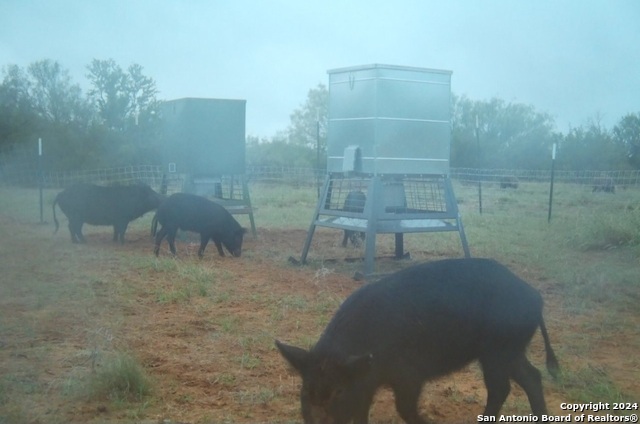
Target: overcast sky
574	59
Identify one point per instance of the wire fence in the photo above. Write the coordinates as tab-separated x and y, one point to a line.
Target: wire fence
20	166
503	192
622	178
310	176
298	177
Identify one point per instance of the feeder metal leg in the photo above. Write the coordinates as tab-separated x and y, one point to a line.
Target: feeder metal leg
326	193
247	199
399	245
463	238
369	251
371	207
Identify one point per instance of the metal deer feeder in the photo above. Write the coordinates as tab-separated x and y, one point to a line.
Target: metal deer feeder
388	155
204	141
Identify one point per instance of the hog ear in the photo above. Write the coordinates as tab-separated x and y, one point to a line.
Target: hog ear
357	366
297	357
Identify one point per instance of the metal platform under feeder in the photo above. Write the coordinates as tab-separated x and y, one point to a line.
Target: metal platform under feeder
392	204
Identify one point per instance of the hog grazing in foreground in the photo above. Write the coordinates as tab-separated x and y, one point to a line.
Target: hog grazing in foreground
354	203
97	205
190	212
416	325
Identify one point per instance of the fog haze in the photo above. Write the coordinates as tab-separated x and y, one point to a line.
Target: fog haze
576	60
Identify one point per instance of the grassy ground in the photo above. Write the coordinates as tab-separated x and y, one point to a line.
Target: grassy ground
104	333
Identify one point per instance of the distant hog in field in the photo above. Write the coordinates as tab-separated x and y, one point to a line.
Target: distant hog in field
354	203
96	205
194	213
605	185
509	181
419	324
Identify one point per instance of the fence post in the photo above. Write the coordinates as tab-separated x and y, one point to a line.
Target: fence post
553	163
40	178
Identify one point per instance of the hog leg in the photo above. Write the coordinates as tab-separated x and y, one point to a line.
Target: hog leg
159	236
219	247
204	240
496	379
407	393
75	228
171	237
347	236
528	377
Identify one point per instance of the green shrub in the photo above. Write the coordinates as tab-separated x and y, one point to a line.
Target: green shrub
120	378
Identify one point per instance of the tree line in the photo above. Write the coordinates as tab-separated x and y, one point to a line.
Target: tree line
117	123
484	134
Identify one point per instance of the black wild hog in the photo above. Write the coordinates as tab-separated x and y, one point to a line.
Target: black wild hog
416	325
190	212
605	185
96	205
354	203
509	181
